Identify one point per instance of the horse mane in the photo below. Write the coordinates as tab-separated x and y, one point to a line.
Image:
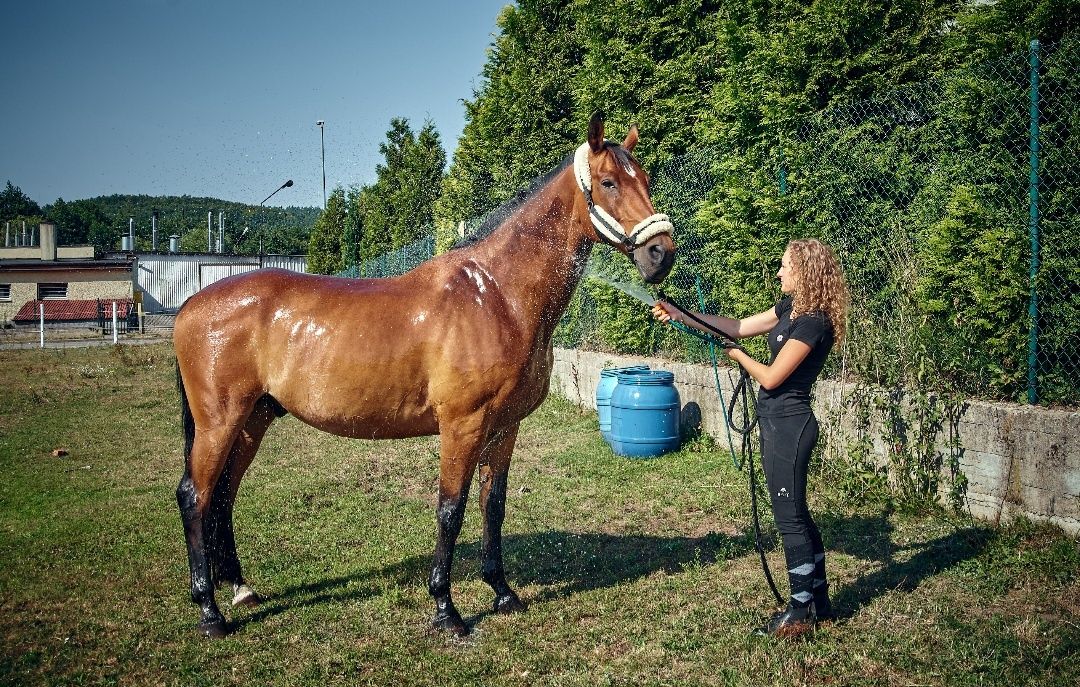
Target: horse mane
494	219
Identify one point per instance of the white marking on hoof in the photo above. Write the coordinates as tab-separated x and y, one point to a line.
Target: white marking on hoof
244	595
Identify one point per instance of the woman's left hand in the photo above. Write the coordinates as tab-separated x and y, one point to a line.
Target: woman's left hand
664	312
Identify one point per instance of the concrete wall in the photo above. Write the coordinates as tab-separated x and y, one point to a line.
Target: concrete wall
21	253
99	290
34	253
1018	460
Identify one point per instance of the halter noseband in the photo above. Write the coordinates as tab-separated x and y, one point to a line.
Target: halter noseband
607	226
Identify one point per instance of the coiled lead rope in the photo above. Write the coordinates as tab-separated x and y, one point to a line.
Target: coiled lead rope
715	337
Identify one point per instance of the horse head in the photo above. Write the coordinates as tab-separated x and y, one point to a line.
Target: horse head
616	191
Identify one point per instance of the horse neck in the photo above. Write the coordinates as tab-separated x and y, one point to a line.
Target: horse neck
538	254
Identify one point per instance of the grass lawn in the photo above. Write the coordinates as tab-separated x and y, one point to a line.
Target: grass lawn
637	572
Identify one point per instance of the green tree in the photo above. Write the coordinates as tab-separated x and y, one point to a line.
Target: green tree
398	207
324	248
100	221
654	69
988	30
974	287
352	237
15	204
83	222
521	120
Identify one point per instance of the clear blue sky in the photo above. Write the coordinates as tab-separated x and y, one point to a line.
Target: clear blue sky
219	98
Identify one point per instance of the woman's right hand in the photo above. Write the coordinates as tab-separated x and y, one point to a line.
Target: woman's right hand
665	312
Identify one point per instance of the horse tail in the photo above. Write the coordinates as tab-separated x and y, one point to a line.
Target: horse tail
185	414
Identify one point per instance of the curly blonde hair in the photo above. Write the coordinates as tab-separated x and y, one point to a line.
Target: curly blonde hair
820	284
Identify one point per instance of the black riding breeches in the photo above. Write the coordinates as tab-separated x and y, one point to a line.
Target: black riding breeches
786	446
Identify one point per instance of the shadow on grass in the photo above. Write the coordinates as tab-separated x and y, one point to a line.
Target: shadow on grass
903	567
567	563
364	584
562	563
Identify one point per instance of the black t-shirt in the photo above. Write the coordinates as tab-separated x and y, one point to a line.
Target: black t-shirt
815	330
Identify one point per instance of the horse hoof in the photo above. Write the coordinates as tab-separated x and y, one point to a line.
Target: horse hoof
245	596
452	624
213	629
509	603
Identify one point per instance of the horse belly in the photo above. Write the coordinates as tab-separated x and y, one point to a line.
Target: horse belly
361	410
374	426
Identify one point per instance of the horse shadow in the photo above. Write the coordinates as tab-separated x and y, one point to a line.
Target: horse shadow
561	563
564	563
903	567
364	584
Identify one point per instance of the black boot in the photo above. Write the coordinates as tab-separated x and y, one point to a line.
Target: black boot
793	621
821	606
797	618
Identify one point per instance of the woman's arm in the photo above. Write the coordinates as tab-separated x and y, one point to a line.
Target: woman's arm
769	377
735	329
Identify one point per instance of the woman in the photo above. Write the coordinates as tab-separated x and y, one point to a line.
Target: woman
802	328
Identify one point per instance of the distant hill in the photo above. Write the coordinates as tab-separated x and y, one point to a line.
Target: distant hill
281	230
103	220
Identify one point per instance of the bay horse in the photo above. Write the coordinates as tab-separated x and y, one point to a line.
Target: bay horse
459	347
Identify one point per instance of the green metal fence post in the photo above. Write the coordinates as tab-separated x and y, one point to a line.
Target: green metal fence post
781	173
1033	221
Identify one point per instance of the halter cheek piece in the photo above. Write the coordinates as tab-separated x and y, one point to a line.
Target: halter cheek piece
607	226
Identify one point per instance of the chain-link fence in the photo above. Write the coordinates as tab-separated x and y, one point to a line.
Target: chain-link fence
394	262
953	205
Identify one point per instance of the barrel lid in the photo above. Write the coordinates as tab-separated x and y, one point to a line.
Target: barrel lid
646	377
614	371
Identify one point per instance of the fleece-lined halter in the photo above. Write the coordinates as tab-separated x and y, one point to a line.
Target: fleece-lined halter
608	227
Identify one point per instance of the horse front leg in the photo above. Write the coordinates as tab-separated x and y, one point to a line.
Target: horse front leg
494	470
459	453
449	515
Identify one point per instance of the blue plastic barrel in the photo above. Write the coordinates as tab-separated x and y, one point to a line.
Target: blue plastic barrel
608	380
645	414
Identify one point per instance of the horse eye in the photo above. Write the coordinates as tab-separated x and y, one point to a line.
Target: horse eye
608	183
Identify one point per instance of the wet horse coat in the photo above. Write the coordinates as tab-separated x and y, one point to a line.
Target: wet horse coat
459	346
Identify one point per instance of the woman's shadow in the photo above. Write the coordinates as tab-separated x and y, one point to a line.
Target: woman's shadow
903	567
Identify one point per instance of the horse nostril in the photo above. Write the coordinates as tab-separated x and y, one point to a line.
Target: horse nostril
656	254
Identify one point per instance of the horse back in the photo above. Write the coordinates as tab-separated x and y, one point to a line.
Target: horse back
373	358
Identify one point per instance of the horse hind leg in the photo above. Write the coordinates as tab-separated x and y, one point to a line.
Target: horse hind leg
494	469
193	496
221	540
208	451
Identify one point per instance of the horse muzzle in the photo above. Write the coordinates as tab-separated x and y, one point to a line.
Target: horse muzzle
654	258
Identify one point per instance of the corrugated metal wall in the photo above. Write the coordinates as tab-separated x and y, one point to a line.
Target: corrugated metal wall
168	280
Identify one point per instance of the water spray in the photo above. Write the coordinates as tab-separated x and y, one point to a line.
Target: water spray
715	337
633	290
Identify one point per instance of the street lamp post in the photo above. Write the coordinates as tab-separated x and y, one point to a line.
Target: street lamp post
322	145
287	184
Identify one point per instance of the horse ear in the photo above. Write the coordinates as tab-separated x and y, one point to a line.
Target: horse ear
631	139
596	131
